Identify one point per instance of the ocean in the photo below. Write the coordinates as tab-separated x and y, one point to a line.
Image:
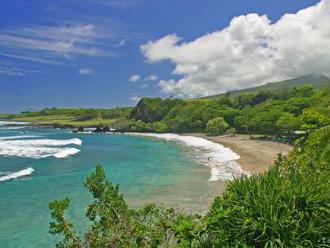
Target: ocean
38	165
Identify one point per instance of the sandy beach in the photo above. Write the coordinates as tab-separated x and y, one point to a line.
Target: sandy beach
256	156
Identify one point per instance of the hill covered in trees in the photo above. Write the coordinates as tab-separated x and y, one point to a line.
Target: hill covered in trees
265	112
315	80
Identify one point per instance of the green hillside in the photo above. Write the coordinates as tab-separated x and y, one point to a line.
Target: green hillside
275	113
315	80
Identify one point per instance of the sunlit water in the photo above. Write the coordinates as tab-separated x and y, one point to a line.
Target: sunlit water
39	165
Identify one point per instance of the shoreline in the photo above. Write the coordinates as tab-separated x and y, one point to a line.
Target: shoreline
256	156
221	160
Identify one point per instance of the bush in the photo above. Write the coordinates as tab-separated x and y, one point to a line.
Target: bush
231	131
286	207
113	224
160	127
216	126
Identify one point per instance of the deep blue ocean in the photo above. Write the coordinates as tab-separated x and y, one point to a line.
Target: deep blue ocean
39	165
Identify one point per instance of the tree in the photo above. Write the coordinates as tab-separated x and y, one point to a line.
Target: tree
113	224
61	226
288	123
312	120
216	126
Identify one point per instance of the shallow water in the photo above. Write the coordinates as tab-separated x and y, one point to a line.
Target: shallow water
147	170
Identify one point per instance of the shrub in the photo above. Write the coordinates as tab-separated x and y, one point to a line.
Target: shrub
113	224
285	207
216	126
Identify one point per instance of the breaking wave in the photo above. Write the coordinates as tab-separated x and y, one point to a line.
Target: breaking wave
221	160
24	146
22	173
9	123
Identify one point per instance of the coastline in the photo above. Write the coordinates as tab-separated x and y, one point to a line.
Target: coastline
256	156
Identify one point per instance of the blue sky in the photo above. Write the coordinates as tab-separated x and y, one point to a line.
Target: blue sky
75	53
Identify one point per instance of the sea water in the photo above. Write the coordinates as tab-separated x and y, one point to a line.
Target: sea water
39	165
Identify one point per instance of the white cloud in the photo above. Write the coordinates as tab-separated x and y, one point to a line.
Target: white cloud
151	77
134	78
85	71
250	51
54	43
10	70
143	86
135	99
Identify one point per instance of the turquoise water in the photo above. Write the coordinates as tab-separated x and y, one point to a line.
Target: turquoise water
147	170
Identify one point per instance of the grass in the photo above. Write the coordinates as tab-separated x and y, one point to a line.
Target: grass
65	120
71	117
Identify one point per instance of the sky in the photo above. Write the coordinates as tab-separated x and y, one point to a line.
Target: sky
107	53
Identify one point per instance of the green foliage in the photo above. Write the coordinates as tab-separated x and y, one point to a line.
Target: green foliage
86	114
231	131
288	123
286	207
116	113
216	126
113	224
61	225
264	112
320	141
182	116
160	127
312	120
153	109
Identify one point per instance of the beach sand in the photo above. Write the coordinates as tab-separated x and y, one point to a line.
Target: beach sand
256	156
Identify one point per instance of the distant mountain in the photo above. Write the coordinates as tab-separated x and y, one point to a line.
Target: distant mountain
315	80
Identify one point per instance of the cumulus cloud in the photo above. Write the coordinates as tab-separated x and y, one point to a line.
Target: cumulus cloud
249	52
134	78
85	71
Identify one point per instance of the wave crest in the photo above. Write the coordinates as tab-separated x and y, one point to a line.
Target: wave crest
22	173
19	146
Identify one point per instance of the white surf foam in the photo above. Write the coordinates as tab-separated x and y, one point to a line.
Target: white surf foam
42	142
38	148
19	137
221	160
12	128
7	123
22	173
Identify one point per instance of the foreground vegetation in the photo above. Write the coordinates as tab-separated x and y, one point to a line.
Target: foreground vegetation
289	206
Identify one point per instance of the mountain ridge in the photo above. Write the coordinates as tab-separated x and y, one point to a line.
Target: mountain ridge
313	79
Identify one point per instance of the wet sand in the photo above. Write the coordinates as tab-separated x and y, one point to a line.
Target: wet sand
256	156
